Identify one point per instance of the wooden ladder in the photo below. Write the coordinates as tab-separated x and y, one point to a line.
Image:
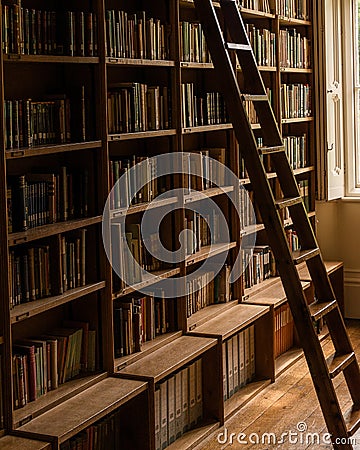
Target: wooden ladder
340	425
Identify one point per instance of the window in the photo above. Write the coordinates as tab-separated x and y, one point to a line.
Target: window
351	71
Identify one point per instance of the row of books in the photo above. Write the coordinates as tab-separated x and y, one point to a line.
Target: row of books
204	229
294	49
139	320
136	107
205	290
207	172
263	43
199	110
295	148
304	192
72	265
178	404
31	123
136	36
246	208
42	363
34	32
238	362
293	239
105	434
295	100
284	330
30	274
130	255
258	264
250	107
37	199
295	9
193	46
257	5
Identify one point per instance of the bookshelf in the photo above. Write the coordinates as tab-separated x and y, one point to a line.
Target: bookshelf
63	167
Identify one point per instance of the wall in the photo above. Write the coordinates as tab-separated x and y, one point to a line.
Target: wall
338	230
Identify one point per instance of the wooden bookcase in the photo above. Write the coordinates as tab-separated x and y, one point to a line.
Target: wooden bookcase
93	145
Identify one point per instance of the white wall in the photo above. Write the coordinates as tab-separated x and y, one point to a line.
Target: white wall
338	231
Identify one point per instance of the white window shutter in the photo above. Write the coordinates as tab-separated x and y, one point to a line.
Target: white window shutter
330	123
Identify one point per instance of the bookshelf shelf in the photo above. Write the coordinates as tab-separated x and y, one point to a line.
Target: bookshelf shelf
208	252
287	21
85	408
231	321
169	358
294	70
147	348
210	312
51	149
297	120
212	192
51	230
267	69
206	128
196	65
140	135
16	442
304	170
53	398
251	229
155	277
250	292
136	209
51	59
256	14
31	309
139	62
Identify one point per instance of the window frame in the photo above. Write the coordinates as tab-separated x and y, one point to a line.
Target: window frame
351	93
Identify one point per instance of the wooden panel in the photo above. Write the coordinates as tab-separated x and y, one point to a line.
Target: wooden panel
20	443
53	398
170	358
76	414
274	295
232	321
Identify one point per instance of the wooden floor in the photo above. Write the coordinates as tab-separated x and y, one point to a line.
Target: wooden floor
288	405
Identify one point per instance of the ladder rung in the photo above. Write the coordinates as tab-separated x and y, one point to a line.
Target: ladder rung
241	47
320	309
352	419
268	150
255	97
337	363
287	202
300	256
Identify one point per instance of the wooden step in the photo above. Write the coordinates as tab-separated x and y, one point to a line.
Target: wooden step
241	47
337	363
287	202
269	150
300	256
352	419
320	309
255	97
